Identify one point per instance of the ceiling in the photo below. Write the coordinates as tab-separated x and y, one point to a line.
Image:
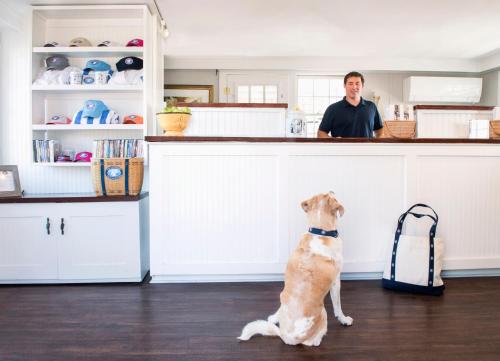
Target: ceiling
455	30
438	35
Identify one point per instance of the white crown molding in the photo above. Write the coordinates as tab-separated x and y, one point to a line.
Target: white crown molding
489	62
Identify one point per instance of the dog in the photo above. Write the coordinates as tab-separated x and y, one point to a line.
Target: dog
312	270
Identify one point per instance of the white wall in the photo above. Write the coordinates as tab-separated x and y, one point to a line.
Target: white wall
491	93
193	77
389	85
15	81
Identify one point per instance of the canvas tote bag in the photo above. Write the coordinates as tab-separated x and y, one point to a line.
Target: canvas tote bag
414	264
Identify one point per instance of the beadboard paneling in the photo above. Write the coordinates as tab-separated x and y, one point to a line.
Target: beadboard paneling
251	122
433	123
193	184
465	192
202	205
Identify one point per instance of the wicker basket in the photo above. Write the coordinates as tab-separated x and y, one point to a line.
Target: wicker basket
401	129
117	176
495	129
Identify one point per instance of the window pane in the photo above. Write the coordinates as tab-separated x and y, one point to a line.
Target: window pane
305	87
320	104
271	94
337	88
306	104
243	94
257	94
321	87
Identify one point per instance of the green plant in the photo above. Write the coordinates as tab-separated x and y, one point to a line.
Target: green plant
174	109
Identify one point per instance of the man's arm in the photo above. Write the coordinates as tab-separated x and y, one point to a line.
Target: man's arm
325	126
378	124
322	134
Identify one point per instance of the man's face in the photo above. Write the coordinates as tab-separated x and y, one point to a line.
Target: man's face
353	87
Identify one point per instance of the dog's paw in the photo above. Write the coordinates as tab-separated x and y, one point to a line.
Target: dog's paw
346	320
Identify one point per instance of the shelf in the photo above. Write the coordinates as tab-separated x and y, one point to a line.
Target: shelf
90	51
84	87
76	127
63	164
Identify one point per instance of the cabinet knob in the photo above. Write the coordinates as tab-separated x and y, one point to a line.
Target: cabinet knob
62	226
47	226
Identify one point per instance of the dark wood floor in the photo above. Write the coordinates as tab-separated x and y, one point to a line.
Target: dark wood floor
191	322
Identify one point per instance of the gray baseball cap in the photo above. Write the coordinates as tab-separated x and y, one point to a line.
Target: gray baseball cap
56	62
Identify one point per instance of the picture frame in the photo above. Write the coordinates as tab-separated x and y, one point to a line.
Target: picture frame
9	181
189	93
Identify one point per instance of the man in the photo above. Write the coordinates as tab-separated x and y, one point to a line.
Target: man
353	116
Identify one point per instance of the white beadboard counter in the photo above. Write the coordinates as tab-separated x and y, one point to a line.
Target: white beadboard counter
228	209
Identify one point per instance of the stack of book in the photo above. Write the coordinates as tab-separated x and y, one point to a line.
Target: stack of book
45	151
118	148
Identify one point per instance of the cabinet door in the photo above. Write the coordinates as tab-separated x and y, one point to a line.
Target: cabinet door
26	250
100	241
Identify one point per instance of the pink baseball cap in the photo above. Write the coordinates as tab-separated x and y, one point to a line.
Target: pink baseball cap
83	157
135	42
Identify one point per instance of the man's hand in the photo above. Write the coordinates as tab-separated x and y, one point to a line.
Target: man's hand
379	132
322	134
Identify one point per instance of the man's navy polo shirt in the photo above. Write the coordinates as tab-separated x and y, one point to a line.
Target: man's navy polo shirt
343	119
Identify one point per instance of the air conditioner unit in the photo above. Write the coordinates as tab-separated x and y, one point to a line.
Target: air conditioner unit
442	89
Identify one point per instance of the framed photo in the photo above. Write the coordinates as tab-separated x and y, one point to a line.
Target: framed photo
189	93
9	181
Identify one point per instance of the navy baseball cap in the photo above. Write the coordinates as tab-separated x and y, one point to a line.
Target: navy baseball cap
130	62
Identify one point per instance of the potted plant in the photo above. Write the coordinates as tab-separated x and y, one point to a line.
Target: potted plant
173	119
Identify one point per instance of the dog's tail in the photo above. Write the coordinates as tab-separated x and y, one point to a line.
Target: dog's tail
259	327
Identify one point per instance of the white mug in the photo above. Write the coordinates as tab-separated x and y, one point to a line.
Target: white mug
75	77
101	77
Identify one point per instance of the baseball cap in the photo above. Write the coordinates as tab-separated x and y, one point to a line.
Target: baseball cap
56	62
133	119
130	62
107	43
58	119
135	42
83	157
63	158
51	44
80	42
97	65
93	108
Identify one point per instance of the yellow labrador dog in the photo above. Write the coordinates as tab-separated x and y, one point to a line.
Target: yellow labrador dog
312	270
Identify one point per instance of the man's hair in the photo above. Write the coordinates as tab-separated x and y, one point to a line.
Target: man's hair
354	74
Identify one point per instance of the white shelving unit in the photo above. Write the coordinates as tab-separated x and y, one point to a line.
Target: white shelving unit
88	88
117	23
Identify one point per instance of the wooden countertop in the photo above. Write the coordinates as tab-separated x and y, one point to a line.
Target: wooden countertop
156	139
233	105
70	198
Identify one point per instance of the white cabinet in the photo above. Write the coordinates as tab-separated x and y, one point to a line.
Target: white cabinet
73	242
26	250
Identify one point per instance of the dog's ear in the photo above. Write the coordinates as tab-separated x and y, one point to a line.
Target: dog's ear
340	209
336	207
306	205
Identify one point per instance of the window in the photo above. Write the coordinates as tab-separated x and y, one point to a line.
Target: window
257	94
315	94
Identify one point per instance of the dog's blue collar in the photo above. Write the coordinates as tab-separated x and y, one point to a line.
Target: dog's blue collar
321	232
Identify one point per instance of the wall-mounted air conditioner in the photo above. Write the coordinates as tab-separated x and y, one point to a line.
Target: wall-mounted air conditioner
419	89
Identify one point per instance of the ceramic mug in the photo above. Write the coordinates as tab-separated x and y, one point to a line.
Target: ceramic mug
101	77
75	77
